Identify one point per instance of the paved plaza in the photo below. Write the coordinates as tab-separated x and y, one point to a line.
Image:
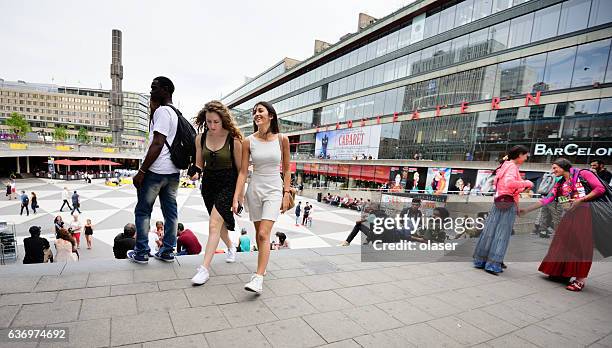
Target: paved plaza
312	297
110	208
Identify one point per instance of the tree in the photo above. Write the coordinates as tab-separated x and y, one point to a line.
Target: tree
107	140
18	124
82	135
60	133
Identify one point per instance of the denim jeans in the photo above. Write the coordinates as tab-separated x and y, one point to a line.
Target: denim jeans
164	186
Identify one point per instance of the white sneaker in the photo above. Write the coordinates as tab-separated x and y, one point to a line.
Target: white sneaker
255	285
201	277
231	255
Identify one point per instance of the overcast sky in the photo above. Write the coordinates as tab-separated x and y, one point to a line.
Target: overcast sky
206	47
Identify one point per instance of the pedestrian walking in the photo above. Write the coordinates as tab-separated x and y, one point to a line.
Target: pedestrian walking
34	203
495	237
306	213
76	203
298	212
25	201
89	233
218	159
75	229
267	193
65	196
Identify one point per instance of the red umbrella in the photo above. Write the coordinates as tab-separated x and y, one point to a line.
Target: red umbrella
107	163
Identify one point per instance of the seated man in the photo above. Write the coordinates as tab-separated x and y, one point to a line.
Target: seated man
187	243
434	230
35	247
363	225
124	241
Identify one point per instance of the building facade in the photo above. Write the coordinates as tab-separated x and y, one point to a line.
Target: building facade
453	81
47	106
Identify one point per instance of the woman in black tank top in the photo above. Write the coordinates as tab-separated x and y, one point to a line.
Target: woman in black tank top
218	157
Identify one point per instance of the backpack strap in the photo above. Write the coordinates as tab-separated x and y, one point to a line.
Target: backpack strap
178	115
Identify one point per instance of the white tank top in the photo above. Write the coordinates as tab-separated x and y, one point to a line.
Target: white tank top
265	156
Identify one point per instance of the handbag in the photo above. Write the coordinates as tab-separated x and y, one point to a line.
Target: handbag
503	202
292	190
601	216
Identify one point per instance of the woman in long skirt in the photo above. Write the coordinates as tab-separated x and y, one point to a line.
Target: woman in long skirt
570	254
493	242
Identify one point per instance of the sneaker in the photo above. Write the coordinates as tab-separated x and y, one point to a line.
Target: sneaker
132	256
255	285
231	255
201	277
167	257
345	243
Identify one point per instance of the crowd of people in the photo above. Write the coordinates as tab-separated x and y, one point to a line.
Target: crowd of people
344	202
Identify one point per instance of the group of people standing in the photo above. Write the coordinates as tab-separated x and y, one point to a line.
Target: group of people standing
222	161
582	225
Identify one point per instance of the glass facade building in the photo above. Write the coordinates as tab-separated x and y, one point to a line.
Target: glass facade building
453	81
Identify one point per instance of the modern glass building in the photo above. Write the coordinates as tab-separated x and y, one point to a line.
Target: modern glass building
459	81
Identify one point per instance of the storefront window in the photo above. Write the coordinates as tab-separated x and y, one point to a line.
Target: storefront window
591	60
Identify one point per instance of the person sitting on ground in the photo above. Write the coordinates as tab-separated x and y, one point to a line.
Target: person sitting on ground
433	230
187	242
362	224
124	241
65	247
282	243
35	247
156	236
244	242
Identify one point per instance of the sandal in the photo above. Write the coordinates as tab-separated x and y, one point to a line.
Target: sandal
575	286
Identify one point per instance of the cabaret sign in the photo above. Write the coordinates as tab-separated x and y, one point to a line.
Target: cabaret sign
571	150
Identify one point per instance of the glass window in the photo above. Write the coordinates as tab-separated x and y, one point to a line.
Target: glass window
591	61
382	46
368	78
478	42
601	12
520	30
399	102
605	105
500	5
350	83
352	59
400	67
404	36
372	50
532	74
460	45
482	8
392	44
574	16
362	54
389	71
416	56
609	70
510	72
546	23
464	12
359	80
368	106
431	25
379	103
379	74
559	67
443	55
447	19
390	98
499	36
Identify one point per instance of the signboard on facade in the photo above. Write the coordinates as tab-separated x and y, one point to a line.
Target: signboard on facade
571	150
344	144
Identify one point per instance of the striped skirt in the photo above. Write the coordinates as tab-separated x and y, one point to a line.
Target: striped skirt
494	239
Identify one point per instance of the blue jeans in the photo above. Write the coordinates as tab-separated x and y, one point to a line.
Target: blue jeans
153	185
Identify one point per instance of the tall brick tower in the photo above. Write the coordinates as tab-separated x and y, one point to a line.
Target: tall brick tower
116	94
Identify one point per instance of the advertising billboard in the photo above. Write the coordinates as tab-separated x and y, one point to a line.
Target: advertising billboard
345	144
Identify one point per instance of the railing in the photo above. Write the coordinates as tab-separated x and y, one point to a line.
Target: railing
22	144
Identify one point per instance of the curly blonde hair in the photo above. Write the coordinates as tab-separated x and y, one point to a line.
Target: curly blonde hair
227	120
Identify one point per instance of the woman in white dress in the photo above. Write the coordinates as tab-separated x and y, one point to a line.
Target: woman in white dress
267	193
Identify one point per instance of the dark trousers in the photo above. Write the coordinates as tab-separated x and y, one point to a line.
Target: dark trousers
76	207
34	208
304	218
65	203
26	208
359	227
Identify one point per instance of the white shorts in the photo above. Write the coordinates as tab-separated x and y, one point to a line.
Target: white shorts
264	197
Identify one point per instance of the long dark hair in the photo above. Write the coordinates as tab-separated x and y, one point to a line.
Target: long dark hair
514	153
563	164
274	129
227	120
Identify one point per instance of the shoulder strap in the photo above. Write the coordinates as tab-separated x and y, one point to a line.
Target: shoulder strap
230	138
203	139
178	115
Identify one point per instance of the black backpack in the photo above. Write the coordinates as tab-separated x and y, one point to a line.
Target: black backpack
182	151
